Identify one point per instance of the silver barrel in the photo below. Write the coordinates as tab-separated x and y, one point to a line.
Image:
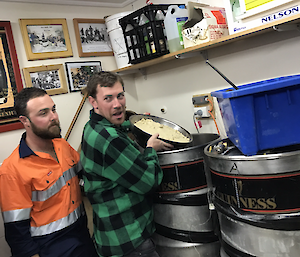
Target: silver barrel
256	198
184	223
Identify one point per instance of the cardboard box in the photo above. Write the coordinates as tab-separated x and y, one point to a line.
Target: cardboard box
242	16
205	23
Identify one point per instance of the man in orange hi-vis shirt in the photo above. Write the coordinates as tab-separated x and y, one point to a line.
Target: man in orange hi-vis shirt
40	196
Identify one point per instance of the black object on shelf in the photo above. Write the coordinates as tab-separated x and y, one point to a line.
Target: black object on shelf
144	33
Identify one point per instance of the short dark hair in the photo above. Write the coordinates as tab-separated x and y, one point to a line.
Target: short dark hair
24	96
104	79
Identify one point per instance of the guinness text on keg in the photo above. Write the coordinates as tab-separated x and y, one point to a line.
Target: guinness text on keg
248	202
170	186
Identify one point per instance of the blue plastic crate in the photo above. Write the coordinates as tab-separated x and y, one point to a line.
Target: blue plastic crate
262	115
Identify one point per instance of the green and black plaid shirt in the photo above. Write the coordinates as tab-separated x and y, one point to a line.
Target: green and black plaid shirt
118	181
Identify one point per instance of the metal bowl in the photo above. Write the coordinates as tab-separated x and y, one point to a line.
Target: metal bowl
142	136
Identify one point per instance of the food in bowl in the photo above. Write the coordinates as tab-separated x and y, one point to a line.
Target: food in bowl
151	127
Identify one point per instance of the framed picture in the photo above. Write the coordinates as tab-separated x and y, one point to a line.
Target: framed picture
92	37
10	79
45	38
78	73
50	78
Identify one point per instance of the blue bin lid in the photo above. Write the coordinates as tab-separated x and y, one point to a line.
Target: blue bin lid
258	87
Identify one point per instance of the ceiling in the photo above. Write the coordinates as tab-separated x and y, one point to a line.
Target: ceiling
97	3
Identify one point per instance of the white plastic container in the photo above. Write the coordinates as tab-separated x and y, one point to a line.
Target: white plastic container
116	36
174	20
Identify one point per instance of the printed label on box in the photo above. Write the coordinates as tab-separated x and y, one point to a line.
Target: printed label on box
212	26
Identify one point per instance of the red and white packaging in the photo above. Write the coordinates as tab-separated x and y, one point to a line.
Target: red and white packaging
213	26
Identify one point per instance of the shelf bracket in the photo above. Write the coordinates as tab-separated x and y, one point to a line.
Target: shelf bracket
286	27
204	53
193	54
143	71
186	55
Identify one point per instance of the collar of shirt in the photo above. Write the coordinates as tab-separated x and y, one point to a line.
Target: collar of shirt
125	126
24	149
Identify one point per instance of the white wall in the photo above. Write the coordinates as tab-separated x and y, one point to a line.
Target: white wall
173	84
67	104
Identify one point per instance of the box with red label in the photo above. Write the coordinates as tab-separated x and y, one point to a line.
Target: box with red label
205	23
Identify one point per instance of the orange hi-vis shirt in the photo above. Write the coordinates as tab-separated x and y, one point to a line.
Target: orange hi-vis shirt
35	186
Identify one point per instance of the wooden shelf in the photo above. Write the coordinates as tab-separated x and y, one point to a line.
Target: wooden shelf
188	52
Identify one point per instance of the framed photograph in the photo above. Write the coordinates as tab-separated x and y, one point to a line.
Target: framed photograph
78	73
50	78
45	38
92	37
10	79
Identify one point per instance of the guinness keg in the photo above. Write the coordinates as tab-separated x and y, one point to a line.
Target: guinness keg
184	223
257	200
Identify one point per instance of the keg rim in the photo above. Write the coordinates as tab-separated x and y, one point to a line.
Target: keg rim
259	156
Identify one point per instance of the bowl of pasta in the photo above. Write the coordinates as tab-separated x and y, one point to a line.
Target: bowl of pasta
144	126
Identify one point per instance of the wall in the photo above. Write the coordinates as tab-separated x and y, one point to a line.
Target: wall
67	104
172	84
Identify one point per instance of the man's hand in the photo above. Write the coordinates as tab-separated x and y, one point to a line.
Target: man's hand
157	144
36	255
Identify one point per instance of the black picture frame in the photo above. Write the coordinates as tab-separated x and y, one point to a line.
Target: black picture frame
78	73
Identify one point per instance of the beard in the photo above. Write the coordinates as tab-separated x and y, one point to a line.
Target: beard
53	131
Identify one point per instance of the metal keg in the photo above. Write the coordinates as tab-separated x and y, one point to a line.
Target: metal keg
256	199
184	223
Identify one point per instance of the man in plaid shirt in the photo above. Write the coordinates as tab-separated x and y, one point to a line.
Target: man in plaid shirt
118	179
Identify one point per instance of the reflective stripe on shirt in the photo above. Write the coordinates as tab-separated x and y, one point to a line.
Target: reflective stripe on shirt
56	187
58	224
16	215
78	167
